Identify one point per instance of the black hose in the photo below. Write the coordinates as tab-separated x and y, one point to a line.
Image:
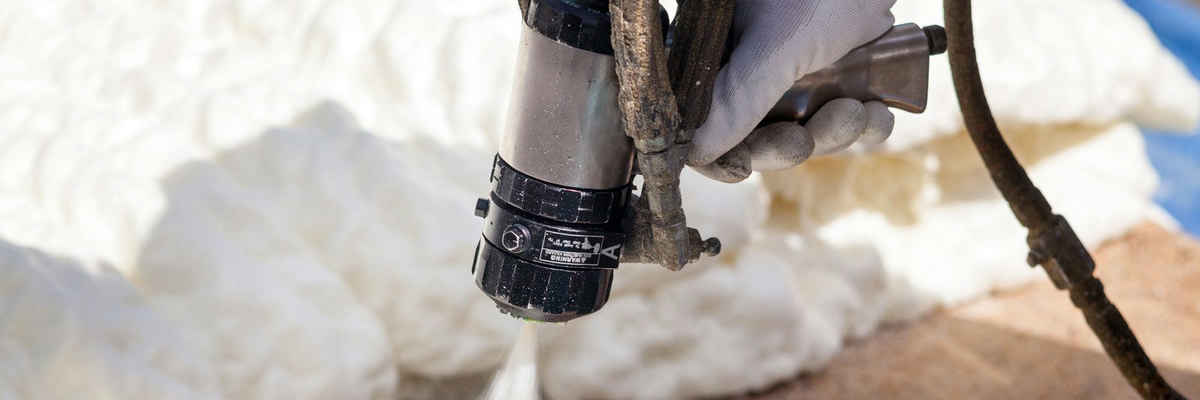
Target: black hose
1053	244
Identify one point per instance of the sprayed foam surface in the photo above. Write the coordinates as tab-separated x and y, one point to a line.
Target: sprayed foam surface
218	235
66	331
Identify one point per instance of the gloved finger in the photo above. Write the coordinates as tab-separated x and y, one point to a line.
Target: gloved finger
880	122
837	125
777	146
732	167
777	43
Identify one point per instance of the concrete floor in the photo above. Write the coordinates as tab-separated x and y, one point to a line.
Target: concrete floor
1031	343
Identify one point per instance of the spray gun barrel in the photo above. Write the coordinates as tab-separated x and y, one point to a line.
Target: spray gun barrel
553	226
555	221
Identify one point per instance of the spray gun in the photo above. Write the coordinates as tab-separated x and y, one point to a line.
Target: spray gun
556	219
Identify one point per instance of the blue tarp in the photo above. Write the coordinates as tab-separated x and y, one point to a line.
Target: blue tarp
1175	157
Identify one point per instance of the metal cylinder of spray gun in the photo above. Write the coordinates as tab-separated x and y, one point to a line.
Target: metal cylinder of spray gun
553	229
561	181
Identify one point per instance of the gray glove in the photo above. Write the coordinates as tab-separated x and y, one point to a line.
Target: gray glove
778	41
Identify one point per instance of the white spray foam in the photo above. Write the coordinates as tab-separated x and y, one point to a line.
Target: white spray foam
317	260
517	379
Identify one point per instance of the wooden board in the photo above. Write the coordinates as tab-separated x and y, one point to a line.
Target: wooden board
1031	343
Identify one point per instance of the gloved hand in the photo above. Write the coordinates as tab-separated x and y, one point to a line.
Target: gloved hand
776	42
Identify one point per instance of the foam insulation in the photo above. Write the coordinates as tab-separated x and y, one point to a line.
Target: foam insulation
1063	62
67	329
253	200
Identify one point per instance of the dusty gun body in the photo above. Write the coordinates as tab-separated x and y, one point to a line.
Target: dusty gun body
555	221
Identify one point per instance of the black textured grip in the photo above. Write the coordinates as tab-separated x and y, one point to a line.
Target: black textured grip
535	291
576	246
559	203
583	24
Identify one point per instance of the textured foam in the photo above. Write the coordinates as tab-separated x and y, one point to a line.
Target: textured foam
218	229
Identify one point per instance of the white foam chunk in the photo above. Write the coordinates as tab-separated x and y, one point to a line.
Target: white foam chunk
67	329
225	227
